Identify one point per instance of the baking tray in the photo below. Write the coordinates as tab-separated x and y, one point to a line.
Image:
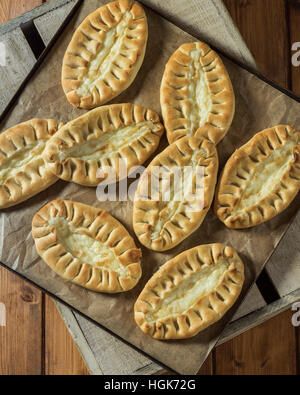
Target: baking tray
255	96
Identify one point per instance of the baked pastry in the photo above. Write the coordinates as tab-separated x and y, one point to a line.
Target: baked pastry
87	246
105	54
190	292
183	195
100	139
23	172
197	97
260	179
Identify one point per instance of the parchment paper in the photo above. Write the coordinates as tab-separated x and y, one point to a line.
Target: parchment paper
258	106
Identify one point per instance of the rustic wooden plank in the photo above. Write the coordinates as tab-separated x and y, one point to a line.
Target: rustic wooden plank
264	28
61	355
21	338
264	350
250	321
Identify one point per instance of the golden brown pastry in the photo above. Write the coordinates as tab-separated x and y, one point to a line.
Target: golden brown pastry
190	292
23	172
100	139
260	179
163	222
105	54
87	246
197	97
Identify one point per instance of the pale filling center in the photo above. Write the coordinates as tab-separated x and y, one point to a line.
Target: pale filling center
100	66
108	143
180	193
85	248
21	158
182	297
200	103
267	176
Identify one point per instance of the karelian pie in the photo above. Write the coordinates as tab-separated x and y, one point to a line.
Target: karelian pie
105	54
23	172
190	292
104	138
260	179
87	246
183	193
197	97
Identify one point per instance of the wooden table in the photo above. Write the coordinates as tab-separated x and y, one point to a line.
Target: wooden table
36	341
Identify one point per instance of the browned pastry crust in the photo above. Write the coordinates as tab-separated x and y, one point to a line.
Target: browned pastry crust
105	54
190	292
197	97
87	246
100	139
260	179
23	172
161	225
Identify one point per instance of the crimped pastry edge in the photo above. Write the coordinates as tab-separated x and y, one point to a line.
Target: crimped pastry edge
94	124
190	223
94	223
209	309
36	177
228	195
174	98
78	57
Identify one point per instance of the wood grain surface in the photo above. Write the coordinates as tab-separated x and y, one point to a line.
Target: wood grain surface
21	339
36	341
